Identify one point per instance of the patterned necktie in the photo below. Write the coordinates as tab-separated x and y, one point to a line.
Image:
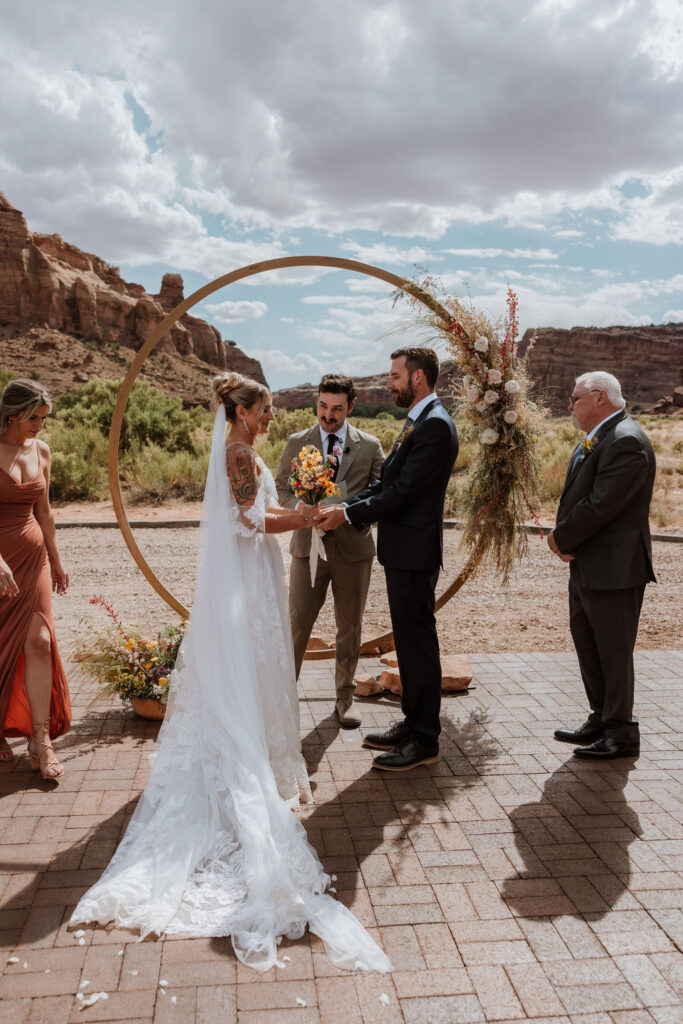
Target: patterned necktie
332	439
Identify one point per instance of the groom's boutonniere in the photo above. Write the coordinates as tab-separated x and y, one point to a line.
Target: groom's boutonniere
406	432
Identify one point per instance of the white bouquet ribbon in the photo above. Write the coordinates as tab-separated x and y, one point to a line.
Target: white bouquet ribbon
317	550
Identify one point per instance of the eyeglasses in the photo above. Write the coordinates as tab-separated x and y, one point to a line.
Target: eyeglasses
573	399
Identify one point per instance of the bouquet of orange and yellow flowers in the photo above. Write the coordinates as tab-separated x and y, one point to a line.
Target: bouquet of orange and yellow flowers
311	478
312	481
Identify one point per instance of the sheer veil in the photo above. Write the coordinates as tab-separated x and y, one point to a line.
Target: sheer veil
213	848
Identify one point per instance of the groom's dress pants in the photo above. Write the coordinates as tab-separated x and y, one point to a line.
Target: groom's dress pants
350	582
411	605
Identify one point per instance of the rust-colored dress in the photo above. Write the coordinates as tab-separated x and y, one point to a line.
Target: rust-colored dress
23	547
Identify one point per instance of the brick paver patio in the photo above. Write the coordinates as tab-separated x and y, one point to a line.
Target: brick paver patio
508	882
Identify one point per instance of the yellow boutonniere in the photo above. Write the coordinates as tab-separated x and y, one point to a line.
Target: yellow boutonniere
587	446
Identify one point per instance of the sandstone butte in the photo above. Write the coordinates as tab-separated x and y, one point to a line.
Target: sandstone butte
75	308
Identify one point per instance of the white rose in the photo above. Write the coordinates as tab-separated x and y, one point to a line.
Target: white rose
510	416
466	381
481	343
490	397
481	407
494	377
472	394
489	436
512	387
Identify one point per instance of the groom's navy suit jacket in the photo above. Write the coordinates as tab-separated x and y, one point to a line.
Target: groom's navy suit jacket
407	501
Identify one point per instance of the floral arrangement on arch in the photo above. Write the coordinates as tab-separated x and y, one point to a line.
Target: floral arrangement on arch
501	490
127	664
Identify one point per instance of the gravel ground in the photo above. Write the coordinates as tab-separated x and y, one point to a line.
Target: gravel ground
529	615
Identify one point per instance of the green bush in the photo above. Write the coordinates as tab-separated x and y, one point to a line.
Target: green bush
79	462
155	474
149	416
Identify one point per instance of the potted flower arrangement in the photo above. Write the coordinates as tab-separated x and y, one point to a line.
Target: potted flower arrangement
136	669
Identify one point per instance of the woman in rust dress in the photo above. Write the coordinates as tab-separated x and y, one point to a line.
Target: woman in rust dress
34	698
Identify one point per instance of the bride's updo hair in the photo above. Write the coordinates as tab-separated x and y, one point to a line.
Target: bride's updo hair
232	389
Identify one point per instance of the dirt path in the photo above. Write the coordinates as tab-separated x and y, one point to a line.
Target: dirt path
530	615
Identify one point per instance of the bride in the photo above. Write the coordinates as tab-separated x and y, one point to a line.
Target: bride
213	847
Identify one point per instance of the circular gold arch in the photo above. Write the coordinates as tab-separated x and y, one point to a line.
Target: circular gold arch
379	645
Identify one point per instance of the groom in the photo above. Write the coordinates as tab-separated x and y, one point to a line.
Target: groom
348	554
407	503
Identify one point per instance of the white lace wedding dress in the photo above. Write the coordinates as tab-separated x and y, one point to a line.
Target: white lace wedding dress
213	847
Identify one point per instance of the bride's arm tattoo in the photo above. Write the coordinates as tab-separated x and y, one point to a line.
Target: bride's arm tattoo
241	467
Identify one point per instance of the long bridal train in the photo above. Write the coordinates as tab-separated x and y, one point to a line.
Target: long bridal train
213	847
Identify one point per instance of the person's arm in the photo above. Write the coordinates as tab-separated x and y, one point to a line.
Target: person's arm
620	476
377	462
46	522
240	463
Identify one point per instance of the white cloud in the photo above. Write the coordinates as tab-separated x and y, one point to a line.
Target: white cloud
673	316
361	122
512	254
379	253
229	312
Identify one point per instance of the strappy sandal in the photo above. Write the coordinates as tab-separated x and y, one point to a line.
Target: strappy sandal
44	759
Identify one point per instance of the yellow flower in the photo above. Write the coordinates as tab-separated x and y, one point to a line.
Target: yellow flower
129	645
163	681
152	644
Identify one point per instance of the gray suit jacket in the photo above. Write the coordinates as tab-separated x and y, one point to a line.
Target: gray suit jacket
360	466
603	517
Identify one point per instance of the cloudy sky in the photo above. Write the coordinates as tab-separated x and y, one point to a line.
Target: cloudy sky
491	141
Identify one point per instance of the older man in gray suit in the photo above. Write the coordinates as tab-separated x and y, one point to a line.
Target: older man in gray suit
603	531
349	552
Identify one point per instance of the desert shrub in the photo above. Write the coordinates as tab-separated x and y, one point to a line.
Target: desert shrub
150	416
79	462
290	421
5	377
155	474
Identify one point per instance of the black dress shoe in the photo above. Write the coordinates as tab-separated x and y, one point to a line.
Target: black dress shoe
388	739
408	755
607	747
586	733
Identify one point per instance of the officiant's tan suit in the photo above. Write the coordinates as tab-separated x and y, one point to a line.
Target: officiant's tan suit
350	554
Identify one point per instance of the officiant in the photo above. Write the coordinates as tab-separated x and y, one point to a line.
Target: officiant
349	552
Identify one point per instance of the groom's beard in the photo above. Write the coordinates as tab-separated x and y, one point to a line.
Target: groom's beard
404	397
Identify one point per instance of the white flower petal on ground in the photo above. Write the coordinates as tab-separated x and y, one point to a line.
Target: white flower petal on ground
163	983
491	397
13	960
300	1001
489	436
174	999
384	999
79	934
510	416
481	343
84	983
512	387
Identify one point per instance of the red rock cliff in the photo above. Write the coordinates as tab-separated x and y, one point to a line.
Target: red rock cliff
46	282
646	360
